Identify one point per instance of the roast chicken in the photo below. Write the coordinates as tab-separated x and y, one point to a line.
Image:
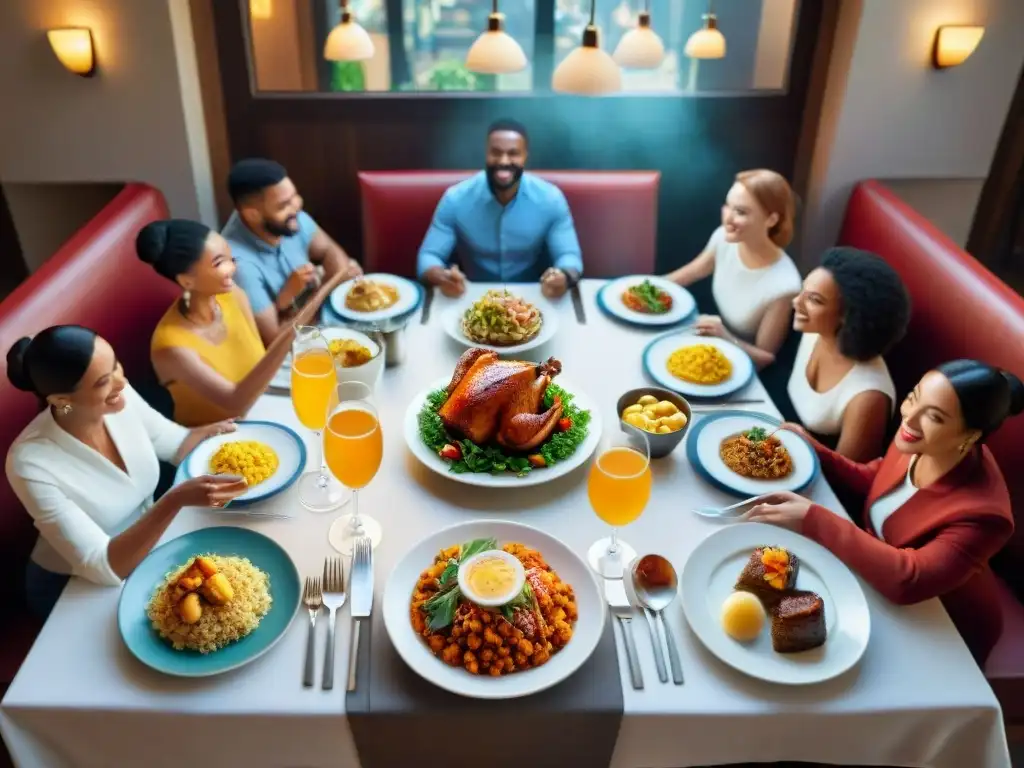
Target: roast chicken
492	400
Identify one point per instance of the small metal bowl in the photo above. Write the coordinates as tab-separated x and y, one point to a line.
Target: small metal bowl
661	445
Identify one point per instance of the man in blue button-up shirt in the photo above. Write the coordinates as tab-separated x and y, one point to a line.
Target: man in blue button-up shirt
502	225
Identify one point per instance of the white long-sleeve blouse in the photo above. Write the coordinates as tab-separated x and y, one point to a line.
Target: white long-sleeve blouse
77	497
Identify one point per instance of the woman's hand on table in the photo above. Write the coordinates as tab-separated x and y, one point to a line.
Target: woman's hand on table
712	325
197	435
784	509
207	491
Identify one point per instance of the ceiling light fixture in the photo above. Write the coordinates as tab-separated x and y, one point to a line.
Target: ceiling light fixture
348	41
707	42
641	48
588	71
495	52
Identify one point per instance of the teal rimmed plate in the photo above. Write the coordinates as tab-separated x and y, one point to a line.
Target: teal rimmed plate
148	647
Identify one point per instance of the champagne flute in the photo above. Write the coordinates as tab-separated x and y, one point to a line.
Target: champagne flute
353	447
619	488
314	385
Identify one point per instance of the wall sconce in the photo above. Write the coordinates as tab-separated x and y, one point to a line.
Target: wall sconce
954	44
261	9
73	47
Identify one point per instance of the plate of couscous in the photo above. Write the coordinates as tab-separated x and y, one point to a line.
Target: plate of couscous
269	456
697	366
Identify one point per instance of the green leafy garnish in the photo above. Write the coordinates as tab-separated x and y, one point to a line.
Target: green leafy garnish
651	296
523	600
756	434
493	459
440	609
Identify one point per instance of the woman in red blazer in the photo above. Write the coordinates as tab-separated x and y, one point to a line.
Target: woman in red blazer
936	504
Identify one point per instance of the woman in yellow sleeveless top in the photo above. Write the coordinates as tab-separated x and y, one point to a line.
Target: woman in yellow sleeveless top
206	349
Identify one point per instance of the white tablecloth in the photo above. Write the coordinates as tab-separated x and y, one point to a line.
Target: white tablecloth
917	698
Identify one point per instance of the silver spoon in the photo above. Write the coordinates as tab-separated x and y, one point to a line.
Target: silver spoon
655	584
731	510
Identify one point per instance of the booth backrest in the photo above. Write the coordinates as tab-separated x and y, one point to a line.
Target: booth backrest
960	310
94	280
616	216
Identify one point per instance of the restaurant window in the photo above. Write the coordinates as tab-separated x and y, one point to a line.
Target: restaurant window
433	37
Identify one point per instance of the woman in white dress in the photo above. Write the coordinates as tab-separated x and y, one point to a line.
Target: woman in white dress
852	310
754	279
86	467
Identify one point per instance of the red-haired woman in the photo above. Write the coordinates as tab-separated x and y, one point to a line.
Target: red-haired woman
754	280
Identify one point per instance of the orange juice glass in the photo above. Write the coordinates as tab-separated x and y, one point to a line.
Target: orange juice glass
619	488
353	449
314	390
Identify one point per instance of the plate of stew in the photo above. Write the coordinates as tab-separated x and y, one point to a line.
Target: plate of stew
647	300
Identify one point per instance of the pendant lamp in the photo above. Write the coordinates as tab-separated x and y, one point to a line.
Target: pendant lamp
707	42
495	52
641	48
348	41
588	71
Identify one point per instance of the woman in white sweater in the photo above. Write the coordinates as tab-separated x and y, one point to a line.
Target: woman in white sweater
86	467
852	310
754	279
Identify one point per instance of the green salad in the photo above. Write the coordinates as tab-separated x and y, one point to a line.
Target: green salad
466	456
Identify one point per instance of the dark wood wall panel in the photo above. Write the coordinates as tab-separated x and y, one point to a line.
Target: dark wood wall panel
698	143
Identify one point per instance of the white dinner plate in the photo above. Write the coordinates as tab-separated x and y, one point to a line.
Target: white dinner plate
708	579
290	450
452	322
705	439
609	299
409	296
435	463
657	353
570	568
369	373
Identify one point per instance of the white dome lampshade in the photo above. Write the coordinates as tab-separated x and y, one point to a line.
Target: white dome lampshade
587	71
496	52
348	41
640	48
707	42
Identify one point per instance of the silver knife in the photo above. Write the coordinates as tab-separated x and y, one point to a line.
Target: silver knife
577	304
428	300
361	590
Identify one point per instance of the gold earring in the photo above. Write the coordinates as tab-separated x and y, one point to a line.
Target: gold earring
964	446
66	410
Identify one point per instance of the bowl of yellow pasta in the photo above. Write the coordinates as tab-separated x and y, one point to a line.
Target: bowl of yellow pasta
697	366
270	457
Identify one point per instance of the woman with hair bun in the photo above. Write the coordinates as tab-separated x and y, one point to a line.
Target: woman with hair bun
851	311
754	280
206	349
936	506
86	467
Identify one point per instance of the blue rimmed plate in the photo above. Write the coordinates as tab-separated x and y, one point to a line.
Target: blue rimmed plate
659	350
410	295
147	646
609	301
290	450
705	439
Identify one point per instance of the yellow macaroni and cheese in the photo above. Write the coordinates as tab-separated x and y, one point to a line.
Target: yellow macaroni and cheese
699	364
250	459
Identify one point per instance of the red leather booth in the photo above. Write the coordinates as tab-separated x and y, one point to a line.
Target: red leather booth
95	280
960	309
616	216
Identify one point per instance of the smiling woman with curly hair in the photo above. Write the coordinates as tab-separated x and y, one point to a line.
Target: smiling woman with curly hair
852	310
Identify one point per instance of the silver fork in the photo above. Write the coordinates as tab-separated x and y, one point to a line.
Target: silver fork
313	599
615	594
334	598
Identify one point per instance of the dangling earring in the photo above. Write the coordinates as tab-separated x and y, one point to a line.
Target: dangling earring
66	410
964	446
186	299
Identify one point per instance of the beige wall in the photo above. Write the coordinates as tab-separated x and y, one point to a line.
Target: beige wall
888	114
139	119
948	203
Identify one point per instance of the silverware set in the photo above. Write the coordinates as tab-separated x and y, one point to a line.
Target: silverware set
652	598
329	592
